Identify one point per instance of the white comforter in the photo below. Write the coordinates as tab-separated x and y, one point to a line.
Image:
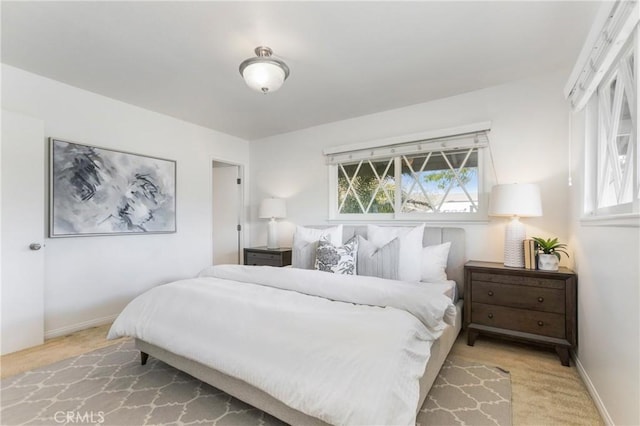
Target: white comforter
345	349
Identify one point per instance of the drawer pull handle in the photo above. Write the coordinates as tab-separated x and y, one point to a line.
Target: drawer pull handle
490	316
490	293
540	299
540	323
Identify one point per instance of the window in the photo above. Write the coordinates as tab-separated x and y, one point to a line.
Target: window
605	80
615	174
440	182
366	187
438	178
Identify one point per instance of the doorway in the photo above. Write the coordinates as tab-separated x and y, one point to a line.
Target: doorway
227	212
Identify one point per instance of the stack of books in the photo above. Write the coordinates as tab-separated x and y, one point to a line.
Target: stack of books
530	254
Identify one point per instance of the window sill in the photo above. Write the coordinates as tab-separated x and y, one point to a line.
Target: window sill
627	220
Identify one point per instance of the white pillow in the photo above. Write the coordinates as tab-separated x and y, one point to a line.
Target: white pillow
434	263
305	242
337	259
410	253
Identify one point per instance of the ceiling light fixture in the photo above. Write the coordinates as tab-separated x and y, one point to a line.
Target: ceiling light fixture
264	73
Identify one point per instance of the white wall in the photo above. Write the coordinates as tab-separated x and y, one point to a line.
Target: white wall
607	260
90	279
528	140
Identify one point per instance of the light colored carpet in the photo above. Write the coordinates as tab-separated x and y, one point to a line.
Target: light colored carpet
55	349
109	386
544	391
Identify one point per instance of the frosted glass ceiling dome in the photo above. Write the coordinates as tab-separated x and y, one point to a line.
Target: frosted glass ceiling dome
264	73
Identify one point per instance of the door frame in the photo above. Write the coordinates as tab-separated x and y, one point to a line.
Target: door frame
241	203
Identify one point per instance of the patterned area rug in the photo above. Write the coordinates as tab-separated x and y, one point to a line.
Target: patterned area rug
467	393
110	387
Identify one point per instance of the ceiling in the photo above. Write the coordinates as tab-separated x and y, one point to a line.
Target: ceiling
347	59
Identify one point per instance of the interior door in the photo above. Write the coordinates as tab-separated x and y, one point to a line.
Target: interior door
227	196
23	231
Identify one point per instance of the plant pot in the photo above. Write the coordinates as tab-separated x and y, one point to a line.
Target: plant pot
548	262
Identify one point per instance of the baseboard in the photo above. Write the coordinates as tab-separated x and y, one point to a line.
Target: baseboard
63	331
592	391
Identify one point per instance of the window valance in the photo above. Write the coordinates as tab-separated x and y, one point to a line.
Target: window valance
614	25
464	137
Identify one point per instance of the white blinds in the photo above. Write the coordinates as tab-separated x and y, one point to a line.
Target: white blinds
354	153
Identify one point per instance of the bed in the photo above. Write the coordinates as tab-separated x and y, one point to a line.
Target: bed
268	398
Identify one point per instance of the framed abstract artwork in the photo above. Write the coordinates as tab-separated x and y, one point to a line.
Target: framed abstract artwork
99	191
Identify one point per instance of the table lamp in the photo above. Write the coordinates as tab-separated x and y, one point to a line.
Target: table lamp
272	208
515	200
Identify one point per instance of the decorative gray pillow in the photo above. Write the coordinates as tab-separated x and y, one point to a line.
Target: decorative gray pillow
381	262
303	254
337	259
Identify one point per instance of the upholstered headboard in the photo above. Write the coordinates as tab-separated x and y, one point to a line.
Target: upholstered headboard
432	236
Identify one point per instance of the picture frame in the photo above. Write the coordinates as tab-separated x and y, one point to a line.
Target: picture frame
97	191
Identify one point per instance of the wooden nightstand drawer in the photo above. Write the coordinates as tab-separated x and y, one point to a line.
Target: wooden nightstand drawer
517	280
254	258
541	323
519	296
262	256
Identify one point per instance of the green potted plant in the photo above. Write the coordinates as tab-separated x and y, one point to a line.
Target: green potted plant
549	253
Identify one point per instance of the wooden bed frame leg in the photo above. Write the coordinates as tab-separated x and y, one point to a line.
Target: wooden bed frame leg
143	358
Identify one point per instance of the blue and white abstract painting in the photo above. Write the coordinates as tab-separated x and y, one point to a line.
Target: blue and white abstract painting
97	191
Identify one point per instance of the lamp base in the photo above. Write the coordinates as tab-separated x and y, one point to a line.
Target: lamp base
272	235
514	235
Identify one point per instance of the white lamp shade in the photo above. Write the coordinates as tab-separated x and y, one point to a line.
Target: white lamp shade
264	76
272	208
515	199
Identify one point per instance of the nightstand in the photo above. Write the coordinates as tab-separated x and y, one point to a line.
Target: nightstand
527	305
269	257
